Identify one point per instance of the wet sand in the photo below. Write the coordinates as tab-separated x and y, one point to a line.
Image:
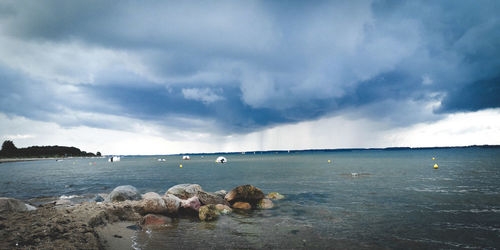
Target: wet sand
116	236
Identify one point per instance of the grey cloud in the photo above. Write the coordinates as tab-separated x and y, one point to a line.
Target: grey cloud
273	62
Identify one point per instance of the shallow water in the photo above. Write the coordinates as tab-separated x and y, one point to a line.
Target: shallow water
397	200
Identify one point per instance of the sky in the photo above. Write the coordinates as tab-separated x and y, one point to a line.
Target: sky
163	77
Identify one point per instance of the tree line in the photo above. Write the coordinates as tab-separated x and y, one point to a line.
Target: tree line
9	150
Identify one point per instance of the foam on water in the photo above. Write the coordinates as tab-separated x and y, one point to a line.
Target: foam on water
69	197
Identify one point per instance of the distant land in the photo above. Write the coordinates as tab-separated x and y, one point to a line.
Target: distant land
9	150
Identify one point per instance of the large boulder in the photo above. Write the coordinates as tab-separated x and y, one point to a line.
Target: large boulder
184	191
245	193
151	203
208	213
173	203
123	193
192	203
210	198
14	205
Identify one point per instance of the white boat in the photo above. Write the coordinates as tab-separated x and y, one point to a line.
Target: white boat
186	157
114	158
221	159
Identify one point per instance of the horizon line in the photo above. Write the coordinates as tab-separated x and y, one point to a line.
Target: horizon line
318	149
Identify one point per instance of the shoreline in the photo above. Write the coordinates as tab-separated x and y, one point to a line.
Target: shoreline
7	160
112	220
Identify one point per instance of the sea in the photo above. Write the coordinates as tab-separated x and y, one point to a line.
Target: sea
350	199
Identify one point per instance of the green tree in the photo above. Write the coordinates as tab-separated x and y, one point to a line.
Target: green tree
98	154
8	148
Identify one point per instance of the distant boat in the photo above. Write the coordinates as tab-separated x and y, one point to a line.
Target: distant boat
114	158
162	159
186	157
221	159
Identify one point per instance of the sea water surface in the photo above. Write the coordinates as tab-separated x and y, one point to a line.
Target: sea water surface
396	200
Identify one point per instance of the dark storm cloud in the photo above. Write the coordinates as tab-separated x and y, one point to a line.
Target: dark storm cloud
474	96
246	65
164	103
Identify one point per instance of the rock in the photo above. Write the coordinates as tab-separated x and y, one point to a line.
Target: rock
265	204
210	198
14	205
98	219
245	193
109	212
275	196
184	191
173	203
191	203
242	205
150	195
151	203
100	197
221	193
123	211
123	193
208	213
154	220
223	209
